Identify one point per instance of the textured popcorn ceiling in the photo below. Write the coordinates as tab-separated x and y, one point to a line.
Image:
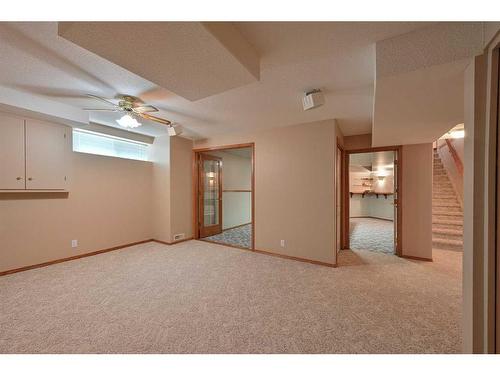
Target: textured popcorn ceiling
434	45
420	82
338	58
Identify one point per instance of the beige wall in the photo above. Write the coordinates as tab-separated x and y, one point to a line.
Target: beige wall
355	142
172	187
294	188
181	192
108	205
160	155
417	200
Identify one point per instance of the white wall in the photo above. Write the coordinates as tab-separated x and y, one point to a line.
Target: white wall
370	205
236	209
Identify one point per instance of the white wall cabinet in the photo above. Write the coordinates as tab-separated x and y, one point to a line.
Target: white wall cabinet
33	154
11	152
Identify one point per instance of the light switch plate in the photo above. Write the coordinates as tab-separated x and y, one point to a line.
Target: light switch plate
74	243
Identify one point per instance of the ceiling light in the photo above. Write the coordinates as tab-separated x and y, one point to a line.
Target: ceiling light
458	134
128	121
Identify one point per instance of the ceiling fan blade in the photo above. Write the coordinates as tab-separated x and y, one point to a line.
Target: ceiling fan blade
102	109
109	102
144	108
154	118
129	98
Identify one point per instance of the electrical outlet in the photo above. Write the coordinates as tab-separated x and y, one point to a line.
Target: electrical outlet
282	243
74	243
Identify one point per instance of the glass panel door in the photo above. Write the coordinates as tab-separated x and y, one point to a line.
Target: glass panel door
210	195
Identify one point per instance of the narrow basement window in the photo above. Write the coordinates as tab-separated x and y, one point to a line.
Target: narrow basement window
108	145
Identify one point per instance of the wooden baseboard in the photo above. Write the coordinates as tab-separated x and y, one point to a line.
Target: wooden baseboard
270	253
416	258
45	264
173	242
316	262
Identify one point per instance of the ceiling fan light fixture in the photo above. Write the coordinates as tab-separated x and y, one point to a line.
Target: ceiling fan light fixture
174	130
128	121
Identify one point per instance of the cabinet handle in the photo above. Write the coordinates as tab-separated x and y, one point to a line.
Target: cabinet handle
30	178
19	178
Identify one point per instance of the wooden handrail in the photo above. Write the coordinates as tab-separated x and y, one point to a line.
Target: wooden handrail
456	158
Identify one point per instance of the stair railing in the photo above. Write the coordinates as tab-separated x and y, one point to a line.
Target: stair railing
456	158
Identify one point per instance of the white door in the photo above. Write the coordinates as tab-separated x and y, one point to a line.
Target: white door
11	153
46	152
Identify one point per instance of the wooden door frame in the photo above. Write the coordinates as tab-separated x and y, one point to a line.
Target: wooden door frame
196	152
345	211
340	185
495	117
201	156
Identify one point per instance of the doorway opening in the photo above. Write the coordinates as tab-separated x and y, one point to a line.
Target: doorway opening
372	213
224	195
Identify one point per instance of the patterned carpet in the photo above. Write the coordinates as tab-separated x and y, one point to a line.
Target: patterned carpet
199	297
372	234
241	236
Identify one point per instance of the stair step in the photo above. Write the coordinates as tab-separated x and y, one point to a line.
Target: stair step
447	213
448	188
445	203
441	198
447	234
448	221
444	191
458	217
450	232
446	244
448	226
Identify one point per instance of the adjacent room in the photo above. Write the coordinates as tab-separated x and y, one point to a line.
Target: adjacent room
225	179
371	201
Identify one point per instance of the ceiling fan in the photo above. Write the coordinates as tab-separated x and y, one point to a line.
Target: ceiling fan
133	108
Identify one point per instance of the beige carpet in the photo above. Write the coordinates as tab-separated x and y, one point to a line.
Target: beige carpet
197	297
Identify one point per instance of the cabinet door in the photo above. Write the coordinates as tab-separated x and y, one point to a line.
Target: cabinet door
47	151
11	153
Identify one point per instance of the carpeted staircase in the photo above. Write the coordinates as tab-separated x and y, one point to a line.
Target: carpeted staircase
447	215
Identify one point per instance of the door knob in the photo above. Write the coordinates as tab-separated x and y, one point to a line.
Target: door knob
30	178
19	178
